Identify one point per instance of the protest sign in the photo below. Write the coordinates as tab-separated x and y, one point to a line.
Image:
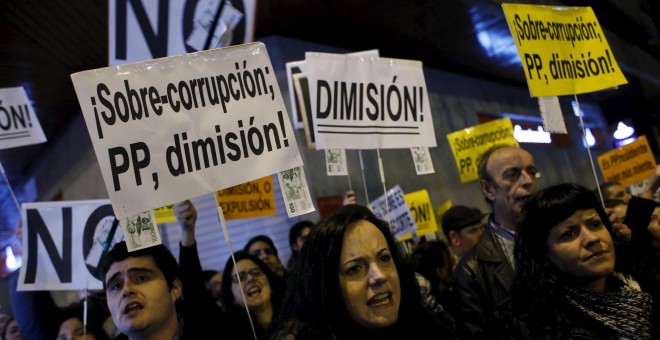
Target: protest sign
441	210
63	243
146	29
252	199
563	49
19	125
165	214
400	219
422	159
421	209
294	68
628	164
335	162
305	108
141	231
168	129
368	103
295	192
469	144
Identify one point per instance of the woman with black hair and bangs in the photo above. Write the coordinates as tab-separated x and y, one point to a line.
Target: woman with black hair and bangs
352	283
568	283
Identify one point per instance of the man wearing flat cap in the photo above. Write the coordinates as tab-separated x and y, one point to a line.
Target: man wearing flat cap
463	227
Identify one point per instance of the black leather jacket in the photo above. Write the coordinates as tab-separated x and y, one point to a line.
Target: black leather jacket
482	281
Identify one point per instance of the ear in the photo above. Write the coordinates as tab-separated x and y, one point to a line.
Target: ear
487	189
177	290
453	238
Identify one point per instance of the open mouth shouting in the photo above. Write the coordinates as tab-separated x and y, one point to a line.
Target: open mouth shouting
252	291
132	308
382	300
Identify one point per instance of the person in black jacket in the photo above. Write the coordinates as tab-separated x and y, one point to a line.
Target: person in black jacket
482	279
568	284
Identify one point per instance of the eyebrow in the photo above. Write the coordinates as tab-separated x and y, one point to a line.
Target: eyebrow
130	271
360	258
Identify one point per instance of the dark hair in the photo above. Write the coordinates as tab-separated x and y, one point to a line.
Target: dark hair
208	274
260	238
604	189
163	258
276	283
427	258
295	231
314	307
613	202
76	311
536	276
6	328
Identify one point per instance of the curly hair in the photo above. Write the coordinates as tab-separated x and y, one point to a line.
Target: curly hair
535	275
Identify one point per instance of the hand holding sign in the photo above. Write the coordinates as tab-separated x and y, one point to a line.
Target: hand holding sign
186	215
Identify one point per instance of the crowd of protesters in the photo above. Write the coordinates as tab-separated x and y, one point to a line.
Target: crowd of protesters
560	262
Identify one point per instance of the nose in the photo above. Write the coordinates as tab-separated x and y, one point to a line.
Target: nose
127	289
262	255
589	238
376	276
527	179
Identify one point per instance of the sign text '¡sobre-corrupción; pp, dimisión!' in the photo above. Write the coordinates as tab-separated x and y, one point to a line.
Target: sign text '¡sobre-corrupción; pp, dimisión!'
134	104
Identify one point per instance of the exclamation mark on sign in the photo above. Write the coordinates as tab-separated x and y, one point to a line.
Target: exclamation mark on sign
29	117
286	141
421	104
609	59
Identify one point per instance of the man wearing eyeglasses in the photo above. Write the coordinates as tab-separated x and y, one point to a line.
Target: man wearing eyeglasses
508	177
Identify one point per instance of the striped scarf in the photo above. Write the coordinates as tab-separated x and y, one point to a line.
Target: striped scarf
626	310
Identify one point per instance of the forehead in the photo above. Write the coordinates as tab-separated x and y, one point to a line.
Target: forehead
259	245
245	264
124	266
507	158
71	323
578	216
304	231
615	189
362	238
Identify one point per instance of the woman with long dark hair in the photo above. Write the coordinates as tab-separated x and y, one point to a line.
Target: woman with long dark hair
567	283
352	283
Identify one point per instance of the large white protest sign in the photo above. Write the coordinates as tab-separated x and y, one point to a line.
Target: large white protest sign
298	67
148	29
400	219
19	125
63	243
168	129
367	103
